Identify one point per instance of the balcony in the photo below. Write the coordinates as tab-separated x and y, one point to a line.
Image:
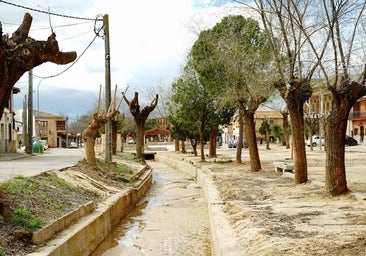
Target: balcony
357	115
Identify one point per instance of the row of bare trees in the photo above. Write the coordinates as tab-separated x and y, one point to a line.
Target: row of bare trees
288	46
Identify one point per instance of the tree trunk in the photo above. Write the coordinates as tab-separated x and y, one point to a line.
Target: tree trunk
285	127
184	151
241	130
194	148
267	138
89	139
213	144
176	144
297	122
114	136
140	145
202	145
255	163
140	117
296	93
342	102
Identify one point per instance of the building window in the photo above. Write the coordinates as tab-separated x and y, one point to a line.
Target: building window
44	123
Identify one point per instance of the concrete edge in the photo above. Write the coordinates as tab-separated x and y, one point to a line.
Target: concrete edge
83	237
223	241
46	233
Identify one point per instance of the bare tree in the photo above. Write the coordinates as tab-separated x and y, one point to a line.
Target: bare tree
100	118
20	53
140	117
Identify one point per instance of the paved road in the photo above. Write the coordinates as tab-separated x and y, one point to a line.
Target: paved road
29	165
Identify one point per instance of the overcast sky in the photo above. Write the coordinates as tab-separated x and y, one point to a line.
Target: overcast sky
149	40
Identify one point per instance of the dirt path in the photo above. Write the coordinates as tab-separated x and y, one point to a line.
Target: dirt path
171	219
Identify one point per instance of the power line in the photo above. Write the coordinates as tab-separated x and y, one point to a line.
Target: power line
46	12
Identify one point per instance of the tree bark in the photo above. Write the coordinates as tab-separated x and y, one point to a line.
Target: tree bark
140	119
202	145
176	144
99	119
184	151
255	163
21	53
295	94
241	130
213	144
342	102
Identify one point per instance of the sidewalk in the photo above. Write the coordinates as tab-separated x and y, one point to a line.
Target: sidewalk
13	156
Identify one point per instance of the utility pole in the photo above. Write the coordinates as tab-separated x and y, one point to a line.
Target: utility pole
108	126
29	141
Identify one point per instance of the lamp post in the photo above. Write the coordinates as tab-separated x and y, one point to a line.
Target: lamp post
38	118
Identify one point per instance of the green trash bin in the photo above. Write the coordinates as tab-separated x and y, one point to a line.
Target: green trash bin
37	147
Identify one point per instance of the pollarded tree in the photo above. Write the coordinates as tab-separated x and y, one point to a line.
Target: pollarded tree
140	117
289	44
328	35
100	118
20	53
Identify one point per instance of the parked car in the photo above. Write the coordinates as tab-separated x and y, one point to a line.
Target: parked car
349	141
131	142
316	140
73	144
232	144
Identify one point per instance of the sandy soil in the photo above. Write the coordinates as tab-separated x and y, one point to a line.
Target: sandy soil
272	216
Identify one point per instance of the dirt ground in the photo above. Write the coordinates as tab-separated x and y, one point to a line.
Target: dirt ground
49	198
268	213
272	216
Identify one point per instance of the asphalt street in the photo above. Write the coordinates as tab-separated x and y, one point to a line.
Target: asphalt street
21	164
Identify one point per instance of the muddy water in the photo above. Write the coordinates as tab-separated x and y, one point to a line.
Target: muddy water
171	219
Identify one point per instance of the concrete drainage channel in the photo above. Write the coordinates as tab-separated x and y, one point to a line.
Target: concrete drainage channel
83	236
223	241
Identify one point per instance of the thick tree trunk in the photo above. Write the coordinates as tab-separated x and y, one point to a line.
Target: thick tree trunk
21	53
301	169
140	117
241	131
184	151
335	130
335	170
296	93
89	139
255	163
140	145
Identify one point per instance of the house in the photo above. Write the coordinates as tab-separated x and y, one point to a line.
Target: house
263	113
47	126
8	134
357	119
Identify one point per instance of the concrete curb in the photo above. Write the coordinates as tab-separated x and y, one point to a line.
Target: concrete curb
223	240
84	236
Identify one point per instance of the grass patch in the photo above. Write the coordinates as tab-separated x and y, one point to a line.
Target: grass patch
115	170
25	218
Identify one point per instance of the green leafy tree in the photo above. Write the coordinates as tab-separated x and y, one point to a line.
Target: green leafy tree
234	60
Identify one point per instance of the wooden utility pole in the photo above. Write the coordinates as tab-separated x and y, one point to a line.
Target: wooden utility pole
29	141
108	126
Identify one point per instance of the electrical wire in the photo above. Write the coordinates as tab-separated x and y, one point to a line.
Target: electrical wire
45	12
98	30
